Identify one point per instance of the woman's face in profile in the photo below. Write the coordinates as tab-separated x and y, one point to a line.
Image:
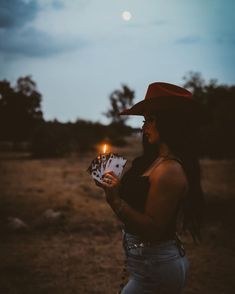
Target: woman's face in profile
150	129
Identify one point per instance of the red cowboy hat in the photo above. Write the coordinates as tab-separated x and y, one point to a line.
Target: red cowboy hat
165	97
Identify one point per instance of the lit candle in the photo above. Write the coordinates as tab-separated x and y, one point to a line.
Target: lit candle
105	148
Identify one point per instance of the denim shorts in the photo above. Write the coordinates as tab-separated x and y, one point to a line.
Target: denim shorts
156	268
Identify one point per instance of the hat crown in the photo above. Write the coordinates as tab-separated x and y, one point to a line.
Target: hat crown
164	97
160	89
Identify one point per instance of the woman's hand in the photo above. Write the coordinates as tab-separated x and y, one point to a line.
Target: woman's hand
110	185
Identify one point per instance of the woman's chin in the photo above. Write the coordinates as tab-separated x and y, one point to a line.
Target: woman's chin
150	141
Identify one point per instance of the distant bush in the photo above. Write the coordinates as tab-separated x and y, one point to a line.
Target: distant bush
6	146
86	134
218	101
51	139
116	133
217	142
115	130
54	139
119	142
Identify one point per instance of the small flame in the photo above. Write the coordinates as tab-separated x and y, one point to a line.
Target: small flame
105	148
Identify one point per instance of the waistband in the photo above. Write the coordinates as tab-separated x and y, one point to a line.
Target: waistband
136	241
131	241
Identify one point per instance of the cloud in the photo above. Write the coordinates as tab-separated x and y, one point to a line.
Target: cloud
35	43
16	13
188	40
58	4
20	36
54	4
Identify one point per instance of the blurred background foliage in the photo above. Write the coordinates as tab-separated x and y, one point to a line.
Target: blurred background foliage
23	128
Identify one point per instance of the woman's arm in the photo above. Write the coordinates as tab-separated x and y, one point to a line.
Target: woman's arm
167	187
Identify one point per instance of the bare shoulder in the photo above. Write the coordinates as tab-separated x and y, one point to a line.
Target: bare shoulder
168	167
170	174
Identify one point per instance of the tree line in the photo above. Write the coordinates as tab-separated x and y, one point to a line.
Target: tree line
22	124
217	136
21	120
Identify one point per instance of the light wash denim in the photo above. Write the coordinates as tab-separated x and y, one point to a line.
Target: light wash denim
158	268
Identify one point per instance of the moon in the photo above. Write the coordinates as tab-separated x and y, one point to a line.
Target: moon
126	15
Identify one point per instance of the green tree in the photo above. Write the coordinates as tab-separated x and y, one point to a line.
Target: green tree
20	109
120	100
218	101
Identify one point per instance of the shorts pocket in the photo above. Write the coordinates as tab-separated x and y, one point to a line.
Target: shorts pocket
161	256
137	266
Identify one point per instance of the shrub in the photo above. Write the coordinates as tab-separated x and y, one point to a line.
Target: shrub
51	139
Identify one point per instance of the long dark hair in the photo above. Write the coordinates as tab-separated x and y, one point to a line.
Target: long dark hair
181	134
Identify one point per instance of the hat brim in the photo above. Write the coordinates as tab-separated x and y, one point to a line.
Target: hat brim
137	109
188	109
179	104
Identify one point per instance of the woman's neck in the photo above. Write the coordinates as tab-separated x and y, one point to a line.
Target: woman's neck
164	150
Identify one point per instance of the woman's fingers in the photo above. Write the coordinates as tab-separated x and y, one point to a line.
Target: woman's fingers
113	175
110	180
98	184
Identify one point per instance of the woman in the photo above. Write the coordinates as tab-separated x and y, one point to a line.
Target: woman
160	191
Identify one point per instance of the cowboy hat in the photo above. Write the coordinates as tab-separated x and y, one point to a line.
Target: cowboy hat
165	97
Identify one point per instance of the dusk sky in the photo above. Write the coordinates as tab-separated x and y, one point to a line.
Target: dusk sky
79	51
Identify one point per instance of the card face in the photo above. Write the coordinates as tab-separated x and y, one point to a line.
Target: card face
116	165
108	162
96	176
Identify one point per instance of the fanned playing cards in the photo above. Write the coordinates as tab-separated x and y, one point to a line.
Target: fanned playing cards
106	162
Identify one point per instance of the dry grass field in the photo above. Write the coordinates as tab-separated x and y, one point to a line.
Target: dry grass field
70	241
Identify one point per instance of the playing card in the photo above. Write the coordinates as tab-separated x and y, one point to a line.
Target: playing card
104	160
115	164
108	162
94	169
96	176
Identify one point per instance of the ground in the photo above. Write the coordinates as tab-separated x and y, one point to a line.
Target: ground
78	250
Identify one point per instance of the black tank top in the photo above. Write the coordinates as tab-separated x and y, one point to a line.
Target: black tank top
134	190
134	187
